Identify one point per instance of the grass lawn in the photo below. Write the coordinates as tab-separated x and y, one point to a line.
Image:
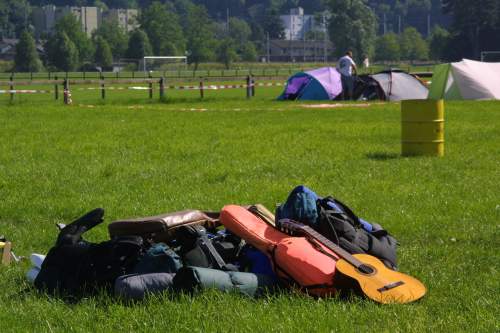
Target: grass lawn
135	158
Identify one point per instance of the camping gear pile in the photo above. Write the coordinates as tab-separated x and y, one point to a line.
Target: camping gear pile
325	84
241	249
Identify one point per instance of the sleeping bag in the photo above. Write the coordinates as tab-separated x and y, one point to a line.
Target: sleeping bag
137	286
190	279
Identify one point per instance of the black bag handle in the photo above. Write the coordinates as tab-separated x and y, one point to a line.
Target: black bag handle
346	210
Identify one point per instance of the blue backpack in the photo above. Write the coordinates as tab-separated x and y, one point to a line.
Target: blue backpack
337	222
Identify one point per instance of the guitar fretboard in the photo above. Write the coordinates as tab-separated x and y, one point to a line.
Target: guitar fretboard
310	232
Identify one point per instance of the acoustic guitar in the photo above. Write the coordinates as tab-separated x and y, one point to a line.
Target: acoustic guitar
361	272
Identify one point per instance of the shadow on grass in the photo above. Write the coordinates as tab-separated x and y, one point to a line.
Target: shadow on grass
382	156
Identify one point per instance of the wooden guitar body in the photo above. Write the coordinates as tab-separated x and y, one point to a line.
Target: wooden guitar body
382	285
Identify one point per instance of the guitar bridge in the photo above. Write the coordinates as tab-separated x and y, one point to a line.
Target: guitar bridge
390	286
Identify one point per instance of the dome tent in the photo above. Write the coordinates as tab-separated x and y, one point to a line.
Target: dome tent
467	79
318	84
390	85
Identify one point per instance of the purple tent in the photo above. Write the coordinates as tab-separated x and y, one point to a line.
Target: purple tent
318	84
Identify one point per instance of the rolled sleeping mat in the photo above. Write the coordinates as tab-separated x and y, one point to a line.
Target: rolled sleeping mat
190	279
36	262
138	286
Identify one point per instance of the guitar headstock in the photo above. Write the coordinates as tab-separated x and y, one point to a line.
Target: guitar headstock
291	227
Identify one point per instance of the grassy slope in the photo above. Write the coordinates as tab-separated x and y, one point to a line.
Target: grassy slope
57	162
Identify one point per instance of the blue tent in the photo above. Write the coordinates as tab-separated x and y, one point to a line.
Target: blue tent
318	84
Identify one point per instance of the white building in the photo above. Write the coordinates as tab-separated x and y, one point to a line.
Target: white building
90	17
45	18
126	18
297	24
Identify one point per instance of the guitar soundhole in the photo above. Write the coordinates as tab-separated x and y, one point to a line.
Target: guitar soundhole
366	269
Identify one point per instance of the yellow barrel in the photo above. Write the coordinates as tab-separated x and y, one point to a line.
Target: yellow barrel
422	127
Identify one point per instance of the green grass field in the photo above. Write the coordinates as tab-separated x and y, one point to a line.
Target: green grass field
134	158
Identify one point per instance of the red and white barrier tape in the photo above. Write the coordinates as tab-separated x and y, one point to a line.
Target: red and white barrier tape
114	88
19	91
196	87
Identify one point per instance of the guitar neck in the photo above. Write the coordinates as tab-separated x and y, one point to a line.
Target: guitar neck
332	246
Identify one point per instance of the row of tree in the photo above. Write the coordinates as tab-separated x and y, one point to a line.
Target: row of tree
179	27
164	30
475	28
410	45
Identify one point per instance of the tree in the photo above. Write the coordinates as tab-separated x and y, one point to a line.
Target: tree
226	52
438	43
476	26
103	56
62	52
26	58
138	45
114	35
413	46
387	48
272	24
249	52
352	26
164	31
72	27
14	17
199	33
315	35
239	30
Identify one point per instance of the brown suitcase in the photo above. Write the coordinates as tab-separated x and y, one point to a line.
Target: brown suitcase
160	228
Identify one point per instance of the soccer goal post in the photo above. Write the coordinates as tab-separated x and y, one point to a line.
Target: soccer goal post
490	56
151	62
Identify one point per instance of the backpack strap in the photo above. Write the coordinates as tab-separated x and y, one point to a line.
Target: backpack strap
207	246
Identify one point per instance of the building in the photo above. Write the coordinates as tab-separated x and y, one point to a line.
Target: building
297	24
8	48
90	17
300	50
45	18
126	18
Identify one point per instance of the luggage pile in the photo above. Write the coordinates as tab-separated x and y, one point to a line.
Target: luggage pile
244	249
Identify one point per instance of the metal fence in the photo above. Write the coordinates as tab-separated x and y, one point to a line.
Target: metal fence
279	71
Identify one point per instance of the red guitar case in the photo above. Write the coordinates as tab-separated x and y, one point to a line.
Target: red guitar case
295	259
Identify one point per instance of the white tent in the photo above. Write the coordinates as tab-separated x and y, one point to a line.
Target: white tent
399	86
467	79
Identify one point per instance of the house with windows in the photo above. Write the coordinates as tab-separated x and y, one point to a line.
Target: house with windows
297	24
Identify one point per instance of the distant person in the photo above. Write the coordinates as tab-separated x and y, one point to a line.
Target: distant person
347	67
366	62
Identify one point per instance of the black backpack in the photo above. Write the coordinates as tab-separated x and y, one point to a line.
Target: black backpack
345	229
74	267
200	248
337	222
